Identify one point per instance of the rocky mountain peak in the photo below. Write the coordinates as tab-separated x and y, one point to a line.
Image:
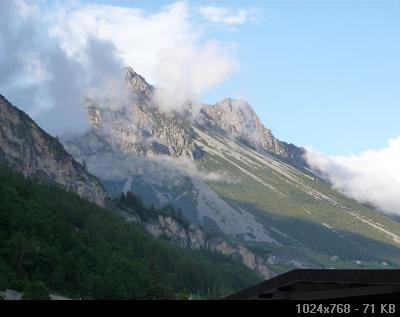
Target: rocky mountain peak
234	105
137	84
234	116
139	128
237	119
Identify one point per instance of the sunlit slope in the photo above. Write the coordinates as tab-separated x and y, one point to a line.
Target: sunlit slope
297	208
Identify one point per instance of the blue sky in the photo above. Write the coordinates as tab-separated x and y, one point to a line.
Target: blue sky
319	73
324	74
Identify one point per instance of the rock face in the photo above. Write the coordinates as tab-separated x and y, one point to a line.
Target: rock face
248	258
139	129
25	147
138	85
237	119
142	130
193	237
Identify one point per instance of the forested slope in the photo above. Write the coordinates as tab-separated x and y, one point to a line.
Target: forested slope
83	251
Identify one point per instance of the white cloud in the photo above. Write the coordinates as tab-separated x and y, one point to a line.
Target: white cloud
371	177
39	77
167	48
227	15
53	56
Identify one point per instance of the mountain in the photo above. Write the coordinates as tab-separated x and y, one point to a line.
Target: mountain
49	233
237	119
227	172
214	183
25	147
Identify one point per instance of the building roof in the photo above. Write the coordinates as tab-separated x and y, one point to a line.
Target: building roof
324	284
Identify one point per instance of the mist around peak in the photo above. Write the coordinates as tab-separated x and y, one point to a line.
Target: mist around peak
53	60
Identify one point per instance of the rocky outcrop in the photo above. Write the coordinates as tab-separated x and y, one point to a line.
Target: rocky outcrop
138	85
237	119
239	252
169	228
25	147
138	129
193	237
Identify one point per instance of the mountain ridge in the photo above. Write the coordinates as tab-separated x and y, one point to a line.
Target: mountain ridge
238	119
27	148
39	156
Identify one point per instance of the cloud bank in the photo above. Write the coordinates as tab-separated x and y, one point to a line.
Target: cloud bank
37	75
166	47
52	56
371	177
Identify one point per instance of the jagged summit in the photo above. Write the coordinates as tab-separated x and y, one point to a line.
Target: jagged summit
144	128
137	84
238	119
233	116
234	104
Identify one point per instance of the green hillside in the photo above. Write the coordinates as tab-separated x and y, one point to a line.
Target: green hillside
80	250
311	221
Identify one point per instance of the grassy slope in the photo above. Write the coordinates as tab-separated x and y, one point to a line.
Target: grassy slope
319	226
